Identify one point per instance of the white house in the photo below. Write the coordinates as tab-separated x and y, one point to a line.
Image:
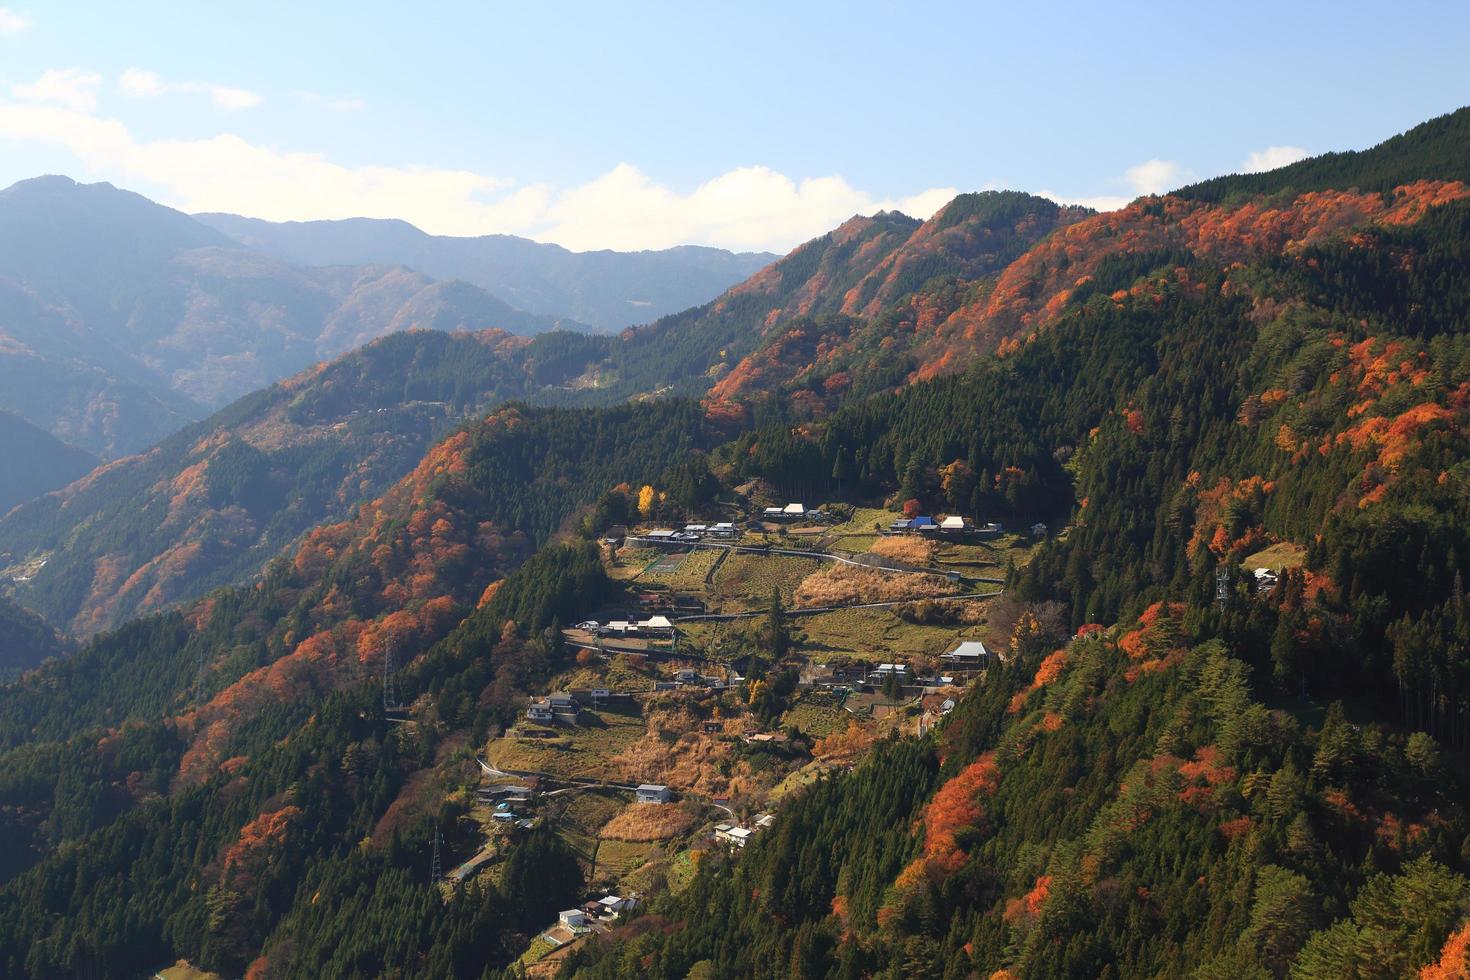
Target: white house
612	906
740	836
655	625
541	711
653	793
573	919
970	653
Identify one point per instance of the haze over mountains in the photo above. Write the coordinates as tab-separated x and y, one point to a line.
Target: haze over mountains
122	320
605	289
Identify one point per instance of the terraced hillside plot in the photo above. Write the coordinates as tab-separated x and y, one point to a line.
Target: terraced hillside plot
875	635
586	750
818	713
685	573
840	585
987	558
747	579
633	563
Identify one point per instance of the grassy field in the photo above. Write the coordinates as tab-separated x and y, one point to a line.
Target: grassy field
581	751
617	859
816	714
632	563
872	634
689	576
746	580
1277	557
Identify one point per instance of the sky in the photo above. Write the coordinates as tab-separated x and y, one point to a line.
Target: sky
746	126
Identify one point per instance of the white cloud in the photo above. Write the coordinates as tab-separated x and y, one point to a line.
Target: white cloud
332	103
1156	176
139	84
1272	157
750	207
136	83
74	88
1098	202
12	23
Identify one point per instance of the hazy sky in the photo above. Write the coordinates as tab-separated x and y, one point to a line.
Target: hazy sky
746	125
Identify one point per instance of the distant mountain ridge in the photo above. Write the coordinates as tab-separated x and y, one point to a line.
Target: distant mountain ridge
606	289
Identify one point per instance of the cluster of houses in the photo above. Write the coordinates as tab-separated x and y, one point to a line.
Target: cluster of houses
792	512
506	801
953	526
691	534
596	913
689	677
735	835
656	626
566	706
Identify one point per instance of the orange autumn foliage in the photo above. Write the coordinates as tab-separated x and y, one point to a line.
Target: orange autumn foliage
1048	671
1028	906
955	808
1454	958
258	845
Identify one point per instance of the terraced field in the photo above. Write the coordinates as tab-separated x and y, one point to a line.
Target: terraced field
687	575
586	750
873	634
746	580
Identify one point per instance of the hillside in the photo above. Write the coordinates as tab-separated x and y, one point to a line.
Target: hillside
36	462
1432	150
607	290
126	319
25	639
213	503
1180	766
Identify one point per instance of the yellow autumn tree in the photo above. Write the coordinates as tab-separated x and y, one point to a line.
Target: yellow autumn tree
645	501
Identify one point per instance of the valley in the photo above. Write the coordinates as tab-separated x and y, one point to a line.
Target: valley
1026	591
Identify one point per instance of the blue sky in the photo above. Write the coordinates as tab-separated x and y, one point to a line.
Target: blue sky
746	125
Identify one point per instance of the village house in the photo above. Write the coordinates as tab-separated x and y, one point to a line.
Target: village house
1038	530
969	655
611	906
574	919
882	672
653	793
724	529
540	712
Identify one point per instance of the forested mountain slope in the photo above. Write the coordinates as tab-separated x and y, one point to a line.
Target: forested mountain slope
1177	790
606	290
25	639
212	504
123	318
36	461
1185	792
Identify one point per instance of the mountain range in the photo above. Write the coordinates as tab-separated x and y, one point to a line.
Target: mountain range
1178	767
605	289
122	320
